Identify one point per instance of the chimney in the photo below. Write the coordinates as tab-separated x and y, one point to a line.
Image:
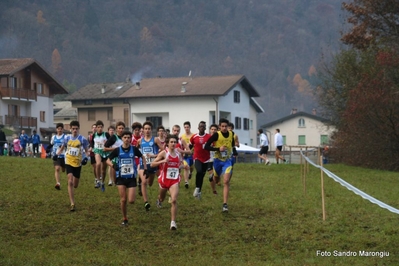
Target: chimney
183	87
103	89
314	111
137	86
293	111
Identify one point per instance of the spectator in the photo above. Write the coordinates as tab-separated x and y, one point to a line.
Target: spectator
3	141
35	140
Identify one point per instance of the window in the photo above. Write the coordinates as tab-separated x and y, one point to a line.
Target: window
88	102
91	115
246	124
110	115
251	124
156	121
126	116
284	140
301	122
323	139
236	96
39	88
107	101
42	116
237	123
301	140
13	82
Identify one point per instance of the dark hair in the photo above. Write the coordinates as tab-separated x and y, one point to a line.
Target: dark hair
187	123
120	123
213	125
278	130
126	132
160	127
149	123
111	126
170	136
99	123
260	130
231	125
223	120
74	123
136	125
59	125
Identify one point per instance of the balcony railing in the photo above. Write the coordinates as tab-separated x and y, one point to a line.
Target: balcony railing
18	93
20	121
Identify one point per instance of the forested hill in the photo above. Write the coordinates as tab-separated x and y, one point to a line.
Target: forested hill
276	44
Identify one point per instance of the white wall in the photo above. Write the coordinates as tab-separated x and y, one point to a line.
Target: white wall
43	104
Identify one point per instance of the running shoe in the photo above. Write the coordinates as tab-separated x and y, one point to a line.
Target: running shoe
147	206
267	162
196	191
72	208
215	192
189	175
159	203
110	183
97	185
102	187
173	225
57	186
186	185
125	223
225	208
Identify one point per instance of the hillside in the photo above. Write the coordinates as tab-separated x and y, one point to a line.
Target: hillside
277	44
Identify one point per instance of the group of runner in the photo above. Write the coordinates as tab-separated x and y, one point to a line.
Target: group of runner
136	157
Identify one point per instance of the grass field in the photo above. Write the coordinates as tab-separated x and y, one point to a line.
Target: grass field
270	221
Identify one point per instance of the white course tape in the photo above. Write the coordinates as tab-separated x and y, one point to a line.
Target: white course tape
352	188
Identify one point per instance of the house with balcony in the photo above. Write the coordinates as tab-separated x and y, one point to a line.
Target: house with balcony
26	95
170	101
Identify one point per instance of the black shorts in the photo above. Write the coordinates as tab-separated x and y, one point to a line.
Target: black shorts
127	182
75	171
210	166
280	148
92	159
59	162
264	150
150	170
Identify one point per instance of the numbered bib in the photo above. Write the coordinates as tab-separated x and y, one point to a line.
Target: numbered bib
73	151
172	173
126	169
99	145
149	160
223	154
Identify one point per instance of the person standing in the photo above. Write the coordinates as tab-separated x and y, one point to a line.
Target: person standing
58	156
122	160
223	143
3	140
278	142
170	162
264	146
35	140
73	145
17	146
201	157
24	139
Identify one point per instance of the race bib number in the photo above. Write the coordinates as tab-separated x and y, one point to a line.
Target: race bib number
172	173
223	154
73	151
126	169
149	160
99	145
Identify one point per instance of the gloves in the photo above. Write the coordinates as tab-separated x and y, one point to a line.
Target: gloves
55	157
84	161
116	167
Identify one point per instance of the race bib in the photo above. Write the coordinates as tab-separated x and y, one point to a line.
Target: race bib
149	160
73	151
223	154
126	169
99	145
172	173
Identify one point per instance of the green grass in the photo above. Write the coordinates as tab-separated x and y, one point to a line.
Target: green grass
270	221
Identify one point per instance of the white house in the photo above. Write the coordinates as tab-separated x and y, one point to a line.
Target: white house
170	101
300	129
27	92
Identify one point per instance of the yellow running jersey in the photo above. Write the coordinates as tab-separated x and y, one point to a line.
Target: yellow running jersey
227	142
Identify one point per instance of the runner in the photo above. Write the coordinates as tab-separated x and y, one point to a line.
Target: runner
201	157
114	141
188	158
98	141
171	162
58	158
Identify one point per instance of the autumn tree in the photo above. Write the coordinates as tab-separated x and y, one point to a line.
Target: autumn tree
56	63
373	21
